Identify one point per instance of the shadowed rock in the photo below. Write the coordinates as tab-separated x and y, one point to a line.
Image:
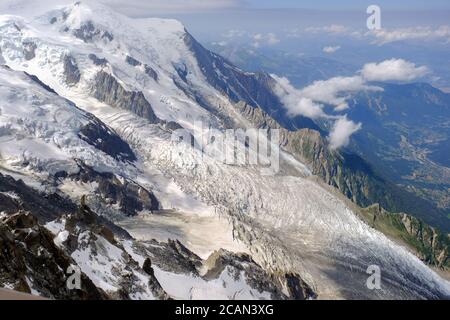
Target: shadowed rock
105	139
98	61
107	89
29	50
71	71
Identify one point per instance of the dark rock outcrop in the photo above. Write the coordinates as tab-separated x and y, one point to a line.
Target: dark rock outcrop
241	264
148	70
151	72
98	61
128	195
31	262
297	288
39	82
17	196
105	139
88	32
107	89
171	256
29	50
71	72
132	61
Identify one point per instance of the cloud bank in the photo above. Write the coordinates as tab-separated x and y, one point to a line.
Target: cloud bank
384	36
336	91
294	101
310	100
268	39
393	70
331	49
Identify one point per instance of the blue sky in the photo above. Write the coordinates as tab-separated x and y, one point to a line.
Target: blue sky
350	4
415	30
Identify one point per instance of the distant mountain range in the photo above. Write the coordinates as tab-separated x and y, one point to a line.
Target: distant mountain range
299	69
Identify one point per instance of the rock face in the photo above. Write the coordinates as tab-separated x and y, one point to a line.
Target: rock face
39	82
71	71
17	196
107	89
243	265
130	197
429	244
148	70
31	262
98	61
434	245
87	32
29	50
255	89
132	61
103	138
151	72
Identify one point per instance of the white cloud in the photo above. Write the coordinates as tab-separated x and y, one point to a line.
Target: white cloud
297	104
335	91
341	132
393	70
381	36
305	107
234	33
384	36
331	49
272	38
258	36
268	39
294	102
309	101
220	43
334	28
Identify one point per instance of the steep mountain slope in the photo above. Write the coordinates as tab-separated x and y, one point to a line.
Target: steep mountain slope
430	244
45	235
144	82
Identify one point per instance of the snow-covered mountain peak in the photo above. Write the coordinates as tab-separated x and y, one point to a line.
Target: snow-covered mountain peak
70	46
84	21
